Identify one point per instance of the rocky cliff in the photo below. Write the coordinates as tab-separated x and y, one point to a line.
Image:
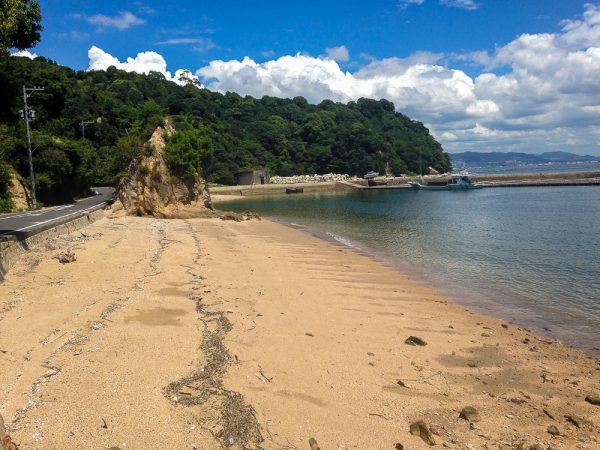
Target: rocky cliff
18	192
151	190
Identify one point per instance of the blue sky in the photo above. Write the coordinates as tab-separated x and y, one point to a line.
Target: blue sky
235	29
481	74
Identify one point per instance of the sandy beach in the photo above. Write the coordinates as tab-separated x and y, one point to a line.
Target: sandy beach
213	334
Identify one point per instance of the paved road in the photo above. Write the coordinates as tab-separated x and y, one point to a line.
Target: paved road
25	224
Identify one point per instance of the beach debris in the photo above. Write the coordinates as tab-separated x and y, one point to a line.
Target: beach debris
578	421
104	424
469	413
309	334
414	340
504	325
402	383
486	334
370	353
66	257
237	217
420	428
550	413
313	444
262	377
593	399
553	430
398	446
5	441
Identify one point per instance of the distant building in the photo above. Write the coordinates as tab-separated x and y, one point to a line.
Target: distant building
254	177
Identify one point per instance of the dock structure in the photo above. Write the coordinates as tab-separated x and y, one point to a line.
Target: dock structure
489	181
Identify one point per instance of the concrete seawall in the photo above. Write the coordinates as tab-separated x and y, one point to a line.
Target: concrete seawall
489	180
13	246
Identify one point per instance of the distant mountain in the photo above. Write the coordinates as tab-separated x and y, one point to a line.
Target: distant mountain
500	159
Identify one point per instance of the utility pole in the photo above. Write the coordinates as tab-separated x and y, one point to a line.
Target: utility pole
83	124
30	116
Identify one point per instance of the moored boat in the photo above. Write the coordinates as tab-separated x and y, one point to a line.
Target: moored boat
458	182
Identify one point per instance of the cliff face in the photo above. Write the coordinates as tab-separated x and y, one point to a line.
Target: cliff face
151	190
18	192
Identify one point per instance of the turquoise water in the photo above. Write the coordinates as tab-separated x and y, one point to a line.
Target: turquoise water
528	255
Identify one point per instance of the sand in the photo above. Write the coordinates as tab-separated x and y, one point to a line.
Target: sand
206	334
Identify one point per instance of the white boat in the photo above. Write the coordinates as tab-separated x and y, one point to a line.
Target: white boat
459	181
371	175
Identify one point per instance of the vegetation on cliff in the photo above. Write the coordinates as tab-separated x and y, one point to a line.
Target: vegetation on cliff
219	135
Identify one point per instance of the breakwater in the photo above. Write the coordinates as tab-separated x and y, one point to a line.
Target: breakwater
489	180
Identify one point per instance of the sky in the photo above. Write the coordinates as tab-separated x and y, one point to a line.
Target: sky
482	75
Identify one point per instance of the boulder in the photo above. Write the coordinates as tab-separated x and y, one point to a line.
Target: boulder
150	189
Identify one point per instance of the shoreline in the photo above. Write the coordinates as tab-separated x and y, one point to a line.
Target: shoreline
315	343
480	302
551	320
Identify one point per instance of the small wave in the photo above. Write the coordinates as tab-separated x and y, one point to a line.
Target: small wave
342	240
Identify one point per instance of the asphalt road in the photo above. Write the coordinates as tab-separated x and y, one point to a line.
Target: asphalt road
26	224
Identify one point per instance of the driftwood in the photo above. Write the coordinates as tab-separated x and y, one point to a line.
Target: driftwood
6	442
313	444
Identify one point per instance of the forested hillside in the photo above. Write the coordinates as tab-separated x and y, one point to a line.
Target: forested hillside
219	135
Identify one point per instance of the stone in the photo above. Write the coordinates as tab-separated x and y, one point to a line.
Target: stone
550	413
399	446
536	447
593	399
553	430
414	340
66	257
469	413
420	428
578	421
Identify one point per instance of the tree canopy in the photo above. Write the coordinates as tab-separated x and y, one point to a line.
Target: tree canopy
20	25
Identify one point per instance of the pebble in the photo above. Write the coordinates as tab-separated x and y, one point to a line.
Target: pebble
421	429
578	421
414	340
593	399
553	430
469	413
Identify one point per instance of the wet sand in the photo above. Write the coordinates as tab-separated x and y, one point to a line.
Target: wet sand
301	338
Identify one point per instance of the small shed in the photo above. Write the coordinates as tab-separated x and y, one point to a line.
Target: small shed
253	177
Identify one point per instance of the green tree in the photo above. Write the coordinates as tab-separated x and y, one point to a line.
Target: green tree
19	24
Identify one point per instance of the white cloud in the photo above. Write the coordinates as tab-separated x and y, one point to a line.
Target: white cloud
406	3
463	4
122	21
200	44
24	54
339	54
144	62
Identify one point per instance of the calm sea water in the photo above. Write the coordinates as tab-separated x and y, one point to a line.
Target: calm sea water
528	255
